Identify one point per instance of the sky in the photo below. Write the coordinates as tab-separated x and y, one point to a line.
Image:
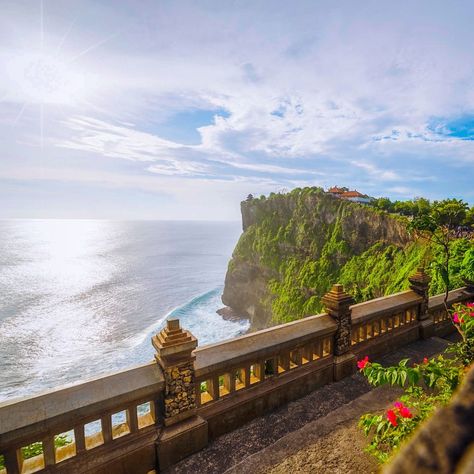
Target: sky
179	109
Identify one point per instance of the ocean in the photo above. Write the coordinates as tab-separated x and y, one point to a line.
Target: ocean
81	298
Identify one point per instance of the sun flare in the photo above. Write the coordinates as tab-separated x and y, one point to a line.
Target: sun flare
44	78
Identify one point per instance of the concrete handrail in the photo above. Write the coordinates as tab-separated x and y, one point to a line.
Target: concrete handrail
80	400
257	345
236	367
455	296
384	305
42	417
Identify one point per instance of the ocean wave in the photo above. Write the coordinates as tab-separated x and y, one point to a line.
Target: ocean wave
199	316
179	312
202	300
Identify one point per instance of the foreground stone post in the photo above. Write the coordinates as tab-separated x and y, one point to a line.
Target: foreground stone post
337	303
184	432
420	284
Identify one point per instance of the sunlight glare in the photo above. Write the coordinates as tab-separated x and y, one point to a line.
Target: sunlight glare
46	79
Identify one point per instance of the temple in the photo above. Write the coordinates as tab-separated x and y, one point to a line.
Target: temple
354	196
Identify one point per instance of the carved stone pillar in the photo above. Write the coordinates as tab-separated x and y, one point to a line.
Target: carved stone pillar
420	284
184	432
174	355
337	303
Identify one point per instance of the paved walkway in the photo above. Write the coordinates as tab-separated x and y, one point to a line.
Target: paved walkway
274	442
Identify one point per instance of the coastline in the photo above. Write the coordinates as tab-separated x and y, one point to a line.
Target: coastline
228	314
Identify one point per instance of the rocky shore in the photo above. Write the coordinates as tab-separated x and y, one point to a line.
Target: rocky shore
230	314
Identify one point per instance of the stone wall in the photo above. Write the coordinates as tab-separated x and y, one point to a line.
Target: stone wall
179	391
342	339
304	354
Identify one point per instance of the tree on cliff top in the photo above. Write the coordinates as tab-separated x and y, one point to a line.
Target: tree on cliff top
469	221
437	228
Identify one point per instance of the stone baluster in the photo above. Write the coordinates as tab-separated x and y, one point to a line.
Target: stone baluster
420	284
174	354
337	303
13	461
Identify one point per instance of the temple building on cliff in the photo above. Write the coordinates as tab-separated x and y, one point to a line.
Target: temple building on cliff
354	196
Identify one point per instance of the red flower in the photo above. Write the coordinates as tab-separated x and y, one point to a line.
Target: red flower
401	409
470	305
456	318
392	417
362	363
425	360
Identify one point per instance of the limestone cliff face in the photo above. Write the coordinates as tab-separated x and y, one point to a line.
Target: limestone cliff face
295	246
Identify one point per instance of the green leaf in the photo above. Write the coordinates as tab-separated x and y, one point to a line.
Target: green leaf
394	378
443	273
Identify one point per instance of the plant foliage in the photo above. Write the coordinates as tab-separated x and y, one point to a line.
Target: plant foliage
307	240
427	386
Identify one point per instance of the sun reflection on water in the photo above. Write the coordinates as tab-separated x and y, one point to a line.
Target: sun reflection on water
82	298
66	262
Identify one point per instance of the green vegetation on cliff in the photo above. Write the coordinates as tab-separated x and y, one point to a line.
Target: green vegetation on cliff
382	269
296	245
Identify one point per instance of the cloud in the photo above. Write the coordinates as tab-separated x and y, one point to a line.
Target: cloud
118	141
384	175
273	169
403	191
169	158
297	93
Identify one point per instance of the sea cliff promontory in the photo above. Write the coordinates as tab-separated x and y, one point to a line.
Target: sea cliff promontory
294	246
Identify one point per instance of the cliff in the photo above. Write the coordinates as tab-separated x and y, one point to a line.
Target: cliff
296	245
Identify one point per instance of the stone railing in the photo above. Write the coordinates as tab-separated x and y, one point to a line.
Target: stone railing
249	375
106	421
228	368
152	416
383	319
441	320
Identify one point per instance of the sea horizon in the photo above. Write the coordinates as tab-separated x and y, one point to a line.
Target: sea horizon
82	297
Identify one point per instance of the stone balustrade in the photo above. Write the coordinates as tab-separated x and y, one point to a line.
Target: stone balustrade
230	367
151	416
390	320
106	420
441	320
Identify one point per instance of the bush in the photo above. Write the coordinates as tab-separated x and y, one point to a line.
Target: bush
426	386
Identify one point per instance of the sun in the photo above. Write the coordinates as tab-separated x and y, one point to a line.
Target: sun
42	78
46	75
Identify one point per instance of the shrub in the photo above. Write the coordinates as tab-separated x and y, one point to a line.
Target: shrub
463	319
426	386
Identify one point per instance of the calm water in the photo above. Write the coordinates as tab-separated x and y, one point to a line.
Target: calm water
82	298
